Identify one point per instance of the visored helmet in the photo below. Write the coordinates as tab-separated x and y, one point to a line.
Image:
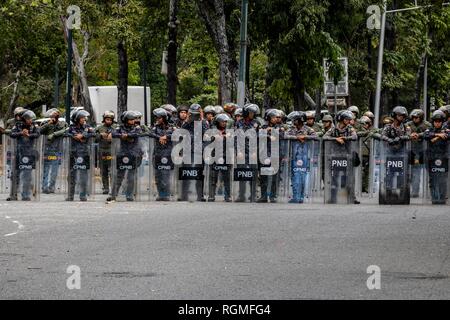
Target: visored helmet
80	114
230	107
209	109
438	115
297	115
417	113
446	110
128	115
53	112
344	115
399	111
219	109
354	109
238	112
327	117
29	115
161	113
251	107
370	115
169	108
221	118
109	114
365	120
273	113
195	108
18	111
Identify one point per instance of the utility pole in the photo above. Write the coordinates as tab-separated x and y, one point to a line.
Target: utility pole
145	90
69	76
243	55
56	85
73	22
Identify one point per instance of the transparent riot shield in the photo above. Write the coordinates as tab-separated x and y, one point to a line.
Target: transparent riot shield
143	183
54	169
394	173
22	168
217	172
374	168
339	171
437	179
189	168
358	167
245	167
80	168
303	172
127	168
103	174
6	165
162	172
417	171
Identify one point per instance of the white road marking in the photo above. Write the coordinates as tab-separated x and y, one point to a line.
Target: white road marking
19	227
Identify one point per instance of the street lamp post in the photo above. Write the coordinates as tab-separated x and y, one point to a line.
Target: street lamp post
243	55
73	22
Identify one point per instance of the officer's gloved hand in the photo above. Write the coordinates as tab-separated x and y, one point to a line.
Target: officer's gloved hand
50	137
397	140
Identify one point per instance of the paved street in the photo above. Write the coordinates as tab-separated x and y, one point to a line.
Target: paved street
222	251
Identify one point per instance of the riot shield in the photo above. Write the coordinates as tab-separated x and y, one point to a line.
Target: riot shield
80	168
162	172
339	171
302	173
374	168
437	163
417	171
189	167
6	165
143	183
394	173
54	169
22	168
358	167
130	169
245	167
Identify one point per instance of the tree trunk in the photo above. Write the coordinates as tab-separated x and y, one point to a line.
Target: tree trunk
80	69
268	100
122	87
172	48
14	97
213	14
298	89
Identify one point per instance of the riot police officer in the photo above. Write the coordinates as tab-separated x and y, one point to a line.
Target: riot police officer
247	122
338	141
10	123
354	122
418	126
128	133
269	181
195	114
53	148
438	157
163	165
311	121
104	140
80	133
299	135
172	113
182	115
26	132
220	168
395	135
209	113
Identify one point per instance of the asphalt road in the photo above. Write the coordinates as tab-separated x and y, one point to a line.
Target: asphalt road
222	251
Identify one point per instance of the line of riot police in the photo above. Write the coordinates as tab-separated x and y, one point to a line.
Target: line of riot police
229	153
